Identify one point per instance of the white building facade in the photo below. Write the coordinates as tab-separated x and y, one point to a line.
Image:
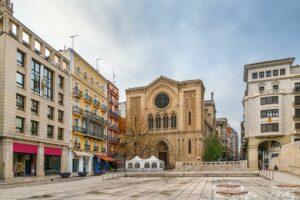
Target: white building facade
271	109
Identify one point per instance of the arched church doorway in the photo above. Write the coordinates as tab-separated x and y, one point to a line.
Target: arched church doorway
162	149
266	151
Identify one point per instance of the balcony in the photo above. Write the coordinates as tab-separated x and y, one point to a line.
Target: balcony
76	145
113	127
79	129
96	148
87	147
103	150
77	93
88	98
103	108
112	154
96	103
94	117
77	111
114	139
272	91
114	114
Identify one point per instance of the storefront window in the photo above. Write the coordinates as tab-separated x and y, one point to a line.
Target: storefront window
52	165
24	164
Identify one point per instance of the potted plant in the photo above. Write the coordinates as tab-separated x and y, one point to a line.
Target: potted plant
65	174
82	174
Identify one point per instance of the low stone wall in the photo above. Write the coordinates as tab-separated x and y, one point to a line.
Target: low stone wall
288	159
212	166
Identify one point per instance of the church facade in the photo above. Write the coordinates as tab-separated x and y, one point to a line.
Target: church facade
171	113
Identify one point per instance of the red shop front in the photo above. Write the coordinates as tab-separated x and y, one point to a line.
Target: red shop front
24	159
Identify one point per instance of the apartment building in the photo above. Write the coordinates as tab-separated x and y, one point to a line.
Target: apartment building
89	116
271	109
35	102
113	120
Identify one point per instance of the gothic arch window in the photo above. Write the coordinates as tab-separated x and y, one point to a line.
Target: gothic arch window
190	146
157	121
190	117
85	75
150	122
173	120
166	120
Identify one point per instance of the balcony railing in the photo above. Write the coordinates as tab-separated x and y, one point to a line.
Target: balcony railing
79	129
96	148
77	110
103	108
113	127
76	145
114	139
114	114
96	118
88	98
87	147
271	91
77	93
103	150
96	103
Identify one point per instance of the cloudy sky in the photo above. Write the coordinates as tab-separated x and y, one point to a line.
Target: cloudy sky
188	39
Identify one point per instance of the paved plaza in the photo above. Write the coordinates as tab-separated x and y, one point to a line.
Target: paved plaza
135	188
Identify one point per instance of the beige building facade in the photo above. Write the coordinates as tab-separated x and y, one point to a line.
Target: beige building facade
35	102
172	114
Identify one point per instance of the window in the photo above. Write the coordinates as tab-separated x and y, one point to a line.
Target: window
297	87
35	77
162	101
190	117
56	60
157	121
20	124
261	74
297	100
34	128
60	116
84	75
273	127
92	80
275	72
20	102
297	113
60	98
20	58
76	122
275	88
60	134
48	84
261	88
173	120
61	82
268	73
64	65
14	29
269	113
47	53
166	121
190	146
50	131
37	46
269	100
25	38
20	80
50	112
78	71
297	126
254	75
34	106
150	122
282	72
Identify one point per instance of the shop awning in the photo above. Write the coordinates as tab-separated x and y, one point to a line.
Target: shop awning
52	151
104	157
25	148
82	153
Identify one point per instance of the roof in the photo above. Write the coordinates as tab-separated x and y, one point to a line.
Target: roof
267	63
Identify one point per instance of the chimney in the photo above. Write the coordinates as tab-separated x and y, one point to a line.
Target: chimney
212	96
